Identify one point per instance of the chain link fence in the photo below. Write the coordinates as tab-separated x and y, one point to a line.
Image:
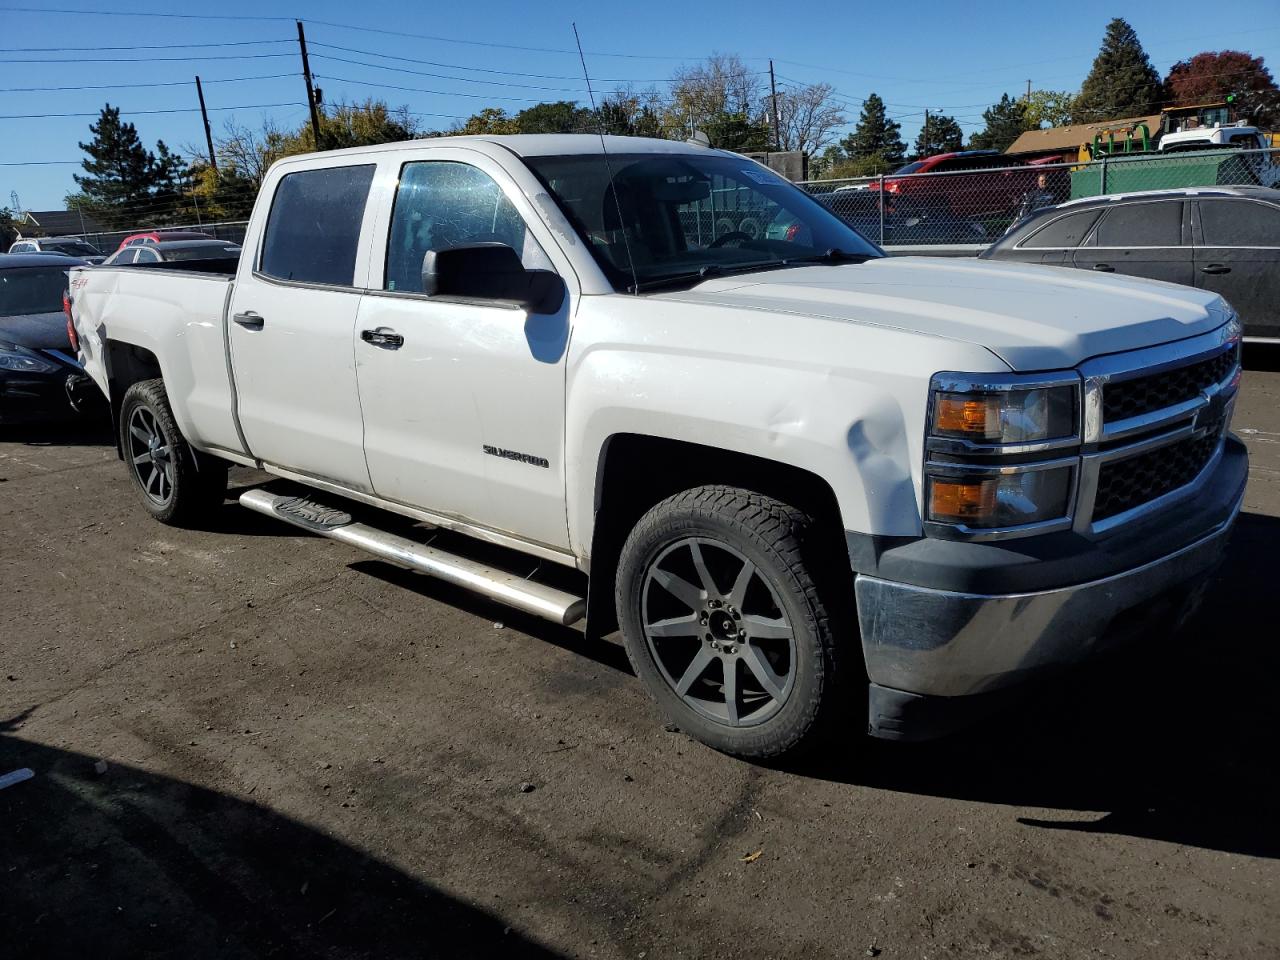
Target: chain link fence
958	211
972	208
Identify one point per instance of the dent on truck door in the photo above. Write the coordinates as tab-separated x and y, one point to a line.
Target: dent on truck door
291	328
463	401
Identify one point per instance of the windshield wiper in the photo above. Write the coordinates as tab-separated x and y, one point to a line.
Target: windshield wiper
834	255
705	272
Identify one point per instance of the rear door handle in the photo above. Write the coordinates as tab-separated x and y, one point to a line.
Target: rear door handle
1215	268
249	320
1104	268
383	337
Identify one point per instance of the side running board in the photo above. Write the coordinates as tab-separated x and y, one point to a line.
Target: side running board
509	588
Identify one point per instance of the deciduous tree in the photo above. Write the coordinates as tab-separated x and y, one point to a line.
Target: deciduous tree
1208	77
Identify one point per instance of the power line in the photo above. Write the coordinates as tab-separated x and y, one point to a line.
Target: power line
445	76
150	46
510	73
442	93
230	56
129	86
132	113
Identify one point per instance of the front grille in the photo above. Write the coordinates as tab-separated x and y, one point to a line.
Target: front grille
1125	484
1132	398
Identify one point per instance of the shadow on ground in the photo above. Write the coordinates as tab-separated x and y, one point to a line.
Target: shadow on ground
87	431
131	864
1173	739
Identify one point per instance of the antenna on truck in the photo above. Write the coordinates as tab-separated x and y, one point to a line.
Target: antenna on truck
608	167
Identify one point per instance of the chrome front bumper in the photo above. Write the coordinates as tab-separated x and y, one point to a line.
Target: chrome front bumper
939	643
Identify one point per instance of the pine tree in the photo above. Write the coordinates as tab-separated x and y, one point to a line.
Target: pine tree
875	136
942	135
1005	121
120	171
1122	82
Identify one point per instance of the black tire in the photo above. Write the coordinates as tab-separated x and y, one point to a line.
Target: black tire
173	485
730	526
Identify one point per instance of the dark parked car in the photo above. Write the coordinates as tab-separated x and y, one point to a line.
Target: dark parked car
68	246
39	375
1224	239
167	250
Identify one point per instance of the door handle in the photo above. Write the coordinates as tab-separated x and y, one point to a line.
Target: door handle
1104	268
383	337
1215	268
249	320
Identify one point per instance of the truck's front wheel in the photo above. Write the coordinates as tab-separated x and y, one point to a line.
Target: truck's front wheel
723	621
174	488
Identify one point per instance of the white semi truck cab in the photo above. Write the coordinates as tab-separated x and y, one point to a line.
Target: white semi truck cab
799	475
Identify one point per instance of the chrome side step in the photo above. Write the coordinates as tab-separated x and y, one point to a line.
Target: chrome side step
515	591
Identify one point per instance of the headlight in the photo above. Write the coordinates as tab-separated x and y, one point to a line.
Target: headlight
1002	454
20	360
1011	416
1002	499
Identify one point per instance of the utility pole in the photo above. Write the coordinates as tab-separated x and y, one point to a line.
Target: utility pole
777	120
208	133
927	148
1028	91
311	94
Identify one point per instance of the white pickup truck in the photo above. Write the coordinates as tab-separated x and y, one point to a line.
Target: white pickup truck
802	477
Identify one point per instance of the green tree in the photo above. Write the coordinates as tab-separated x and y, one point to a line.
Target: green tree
625	114
8	229
876	139
1004	122
1049	108
1122	82
121	177
562	116
737	132
353	125
490	120
941	135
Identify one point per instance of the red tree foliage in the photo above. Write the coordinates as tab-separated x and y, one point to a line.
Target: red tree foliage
1207	77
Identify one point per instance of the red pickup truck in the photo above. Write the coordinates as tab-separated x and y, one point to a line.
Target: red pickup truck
968	183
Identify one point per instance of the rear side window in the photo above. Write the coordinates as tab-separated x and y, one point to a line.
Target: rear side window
313	229
1239	223
1066	231
1142	225
442	204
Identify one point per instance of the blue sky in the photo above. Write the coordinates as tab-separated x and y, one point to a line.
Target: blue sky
953	57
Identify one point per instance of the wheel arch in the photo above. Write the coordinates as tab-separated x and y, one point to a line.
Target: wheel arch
637	471
126	364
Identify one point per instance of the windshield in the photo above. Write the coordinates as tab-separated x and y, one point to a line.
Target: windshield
677	215
31	290
77	247
911	167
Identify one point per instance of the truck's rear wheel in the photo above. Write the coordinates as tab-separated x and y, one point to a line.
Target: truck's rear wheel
174	488
724	623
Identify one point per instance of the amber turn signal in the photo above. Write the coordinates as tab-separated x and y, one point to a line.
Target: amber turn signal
962	415
962	501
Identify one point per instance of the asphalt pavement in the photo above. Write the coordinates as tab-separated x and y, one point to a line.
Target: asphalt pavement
250	742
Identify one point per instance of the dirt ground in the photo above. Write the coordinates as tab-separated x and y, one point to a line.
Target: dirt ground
309	753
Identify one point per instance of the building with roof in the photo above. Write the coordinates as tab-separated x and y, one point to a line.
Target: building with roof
1065	142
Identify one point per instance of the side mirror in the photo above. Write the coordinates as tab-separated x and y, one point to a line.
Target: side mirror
490	271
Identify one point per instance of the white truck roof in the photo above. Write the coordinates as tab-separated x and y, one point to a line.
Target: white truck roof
1208	135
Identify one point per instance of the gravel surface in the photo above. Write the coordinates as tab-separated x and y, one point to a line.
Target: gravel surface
251	743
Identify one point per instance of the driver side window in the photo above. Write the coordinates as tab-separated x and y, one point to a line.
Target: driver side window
441	204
